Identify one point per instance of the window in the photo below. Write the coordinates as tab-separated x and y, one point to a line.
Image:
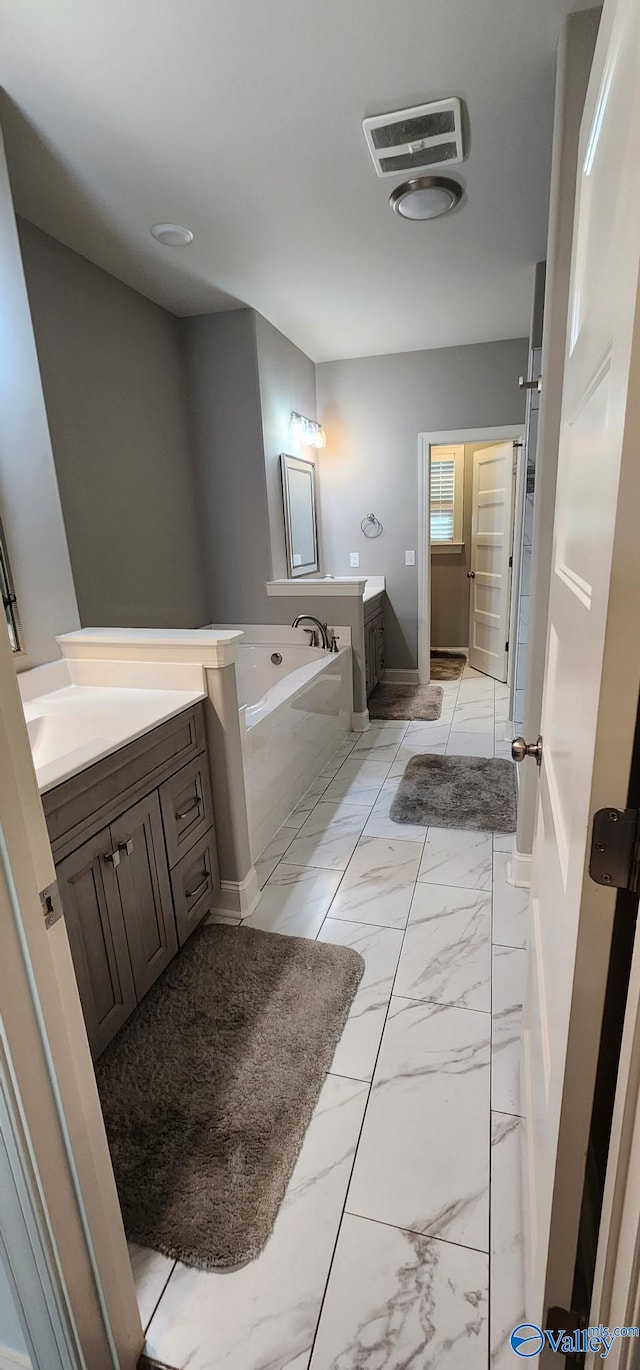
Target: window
8	598
447	496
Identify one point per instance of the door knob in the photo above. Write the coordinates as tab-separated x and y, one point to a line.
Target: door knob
471	575
520	749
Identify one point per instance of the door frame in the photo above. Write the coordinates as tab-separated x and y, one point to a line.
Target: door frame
501	433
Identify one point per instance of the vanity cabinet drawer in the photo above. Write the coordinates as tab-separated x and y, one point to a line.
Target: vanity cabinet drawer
81	806
195	881
187	808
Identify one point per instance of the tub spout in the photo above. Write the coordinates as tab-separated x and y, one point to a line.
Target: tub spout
321	627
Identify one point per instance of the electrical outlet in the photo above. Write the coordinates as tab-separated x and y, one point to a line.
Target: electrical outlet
409	558
354	558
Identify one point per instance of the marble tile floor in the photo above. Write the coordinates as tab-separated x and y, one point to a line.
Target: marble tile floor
399	1240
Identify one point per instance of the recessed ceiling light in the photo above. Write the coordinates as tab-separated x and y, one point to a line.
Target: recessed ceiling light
425	197
172	235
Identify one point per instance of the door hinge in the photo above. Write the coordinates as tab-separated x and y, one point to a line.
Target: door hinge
615	849
506	646
51	904
510	562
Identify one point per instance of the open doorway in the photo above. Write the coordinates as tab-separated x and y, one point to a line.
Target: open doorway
469	535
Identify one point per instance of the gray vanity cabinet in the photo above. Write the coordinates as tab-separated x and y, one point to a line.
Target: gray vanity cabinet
143	881
136	863
374	642
95	926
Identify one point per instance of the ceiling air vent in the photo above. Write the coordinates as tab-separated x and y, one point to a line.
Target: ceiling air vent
415	139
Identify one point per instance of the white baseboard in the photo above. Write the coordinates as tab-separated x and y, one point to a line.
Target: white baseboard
360	722
238	896
519	869
406	677
12	1360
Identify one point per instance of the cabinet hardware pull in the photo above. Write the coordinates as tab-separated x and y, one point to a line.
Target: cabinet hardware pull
191	894
186	813
113	857
126	848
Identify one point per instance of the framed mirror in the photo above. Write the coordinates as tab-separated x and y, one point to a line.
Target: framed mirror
300	523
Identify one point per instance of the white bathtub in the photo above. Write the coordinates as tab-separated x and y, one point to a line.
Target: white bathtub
294	713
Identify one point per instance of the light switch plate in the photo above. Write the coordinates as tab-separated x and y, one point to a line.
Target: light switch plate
409	558
354	558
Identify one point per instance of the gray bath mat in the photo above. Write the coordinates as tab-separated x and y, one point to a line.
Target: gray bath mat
447	665
406	701
457	792
208	1090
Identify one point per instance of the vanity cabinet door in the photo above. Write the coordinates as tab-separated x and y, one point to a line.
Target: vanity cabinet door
95	927
145	891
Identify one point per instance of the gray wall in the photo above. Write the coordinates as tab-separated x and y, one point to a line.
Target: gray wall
226	427
287	380
244	379
115	393
373	409
29	497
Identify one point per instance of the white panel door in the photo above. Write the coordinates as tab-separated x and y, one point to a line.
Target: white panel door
491	546
593	660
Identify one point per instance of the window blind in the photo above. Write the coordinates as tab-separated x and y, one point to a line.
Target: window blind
443	493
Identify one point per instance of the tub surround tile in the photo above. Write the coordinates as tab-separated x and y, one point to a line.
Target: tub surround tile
396	1299
455	856
380	823
150	1273
265	1314
506	1257
510	906
358	1047
295	900
446	957
378	884
509	981
329	835
430	1088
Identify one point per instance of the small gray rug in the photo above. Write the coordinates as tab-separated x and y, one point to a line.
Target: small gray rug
457	792
208	1090
406	701
447	666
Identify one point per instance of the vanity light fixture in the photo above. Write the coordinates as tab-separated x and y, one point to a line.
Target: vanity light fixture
425	197
307	432
172	235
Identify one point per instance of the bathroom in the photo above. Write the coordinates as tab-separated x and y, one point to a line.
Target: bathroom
216	555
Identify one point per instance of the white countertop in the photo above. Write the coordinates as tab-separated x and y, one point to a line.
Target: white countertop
80	711
366	586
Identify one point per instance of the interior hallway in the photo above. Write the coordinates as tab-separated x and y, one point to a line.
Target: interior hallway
399	1240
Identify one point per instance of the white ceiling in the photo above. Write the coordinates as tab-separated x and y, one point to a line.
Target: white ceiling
242	120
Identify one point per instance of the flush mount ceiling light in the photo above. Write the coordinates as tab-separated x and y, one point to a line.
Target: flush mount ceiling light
172	235
425	197
307	431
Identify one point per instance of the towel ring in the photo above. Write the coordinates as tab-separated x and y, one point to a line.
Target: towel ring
371	526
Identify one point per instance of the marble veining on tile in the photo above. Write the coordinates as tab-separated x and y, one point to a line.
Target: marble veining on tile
329	835
506	1256
295	900
397	1300
430	1088
454	856
378	884
510	906
509	977
446	957
357	1049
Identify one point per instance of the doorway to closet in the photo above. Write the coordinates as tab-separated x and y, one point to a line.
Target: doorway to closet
469	536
